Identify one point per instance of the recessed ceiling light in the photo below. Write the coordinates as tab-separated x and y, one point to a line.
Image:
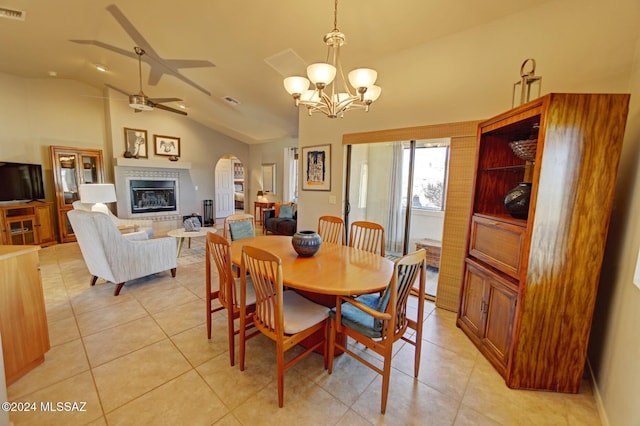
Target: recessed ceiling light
101	68
183	106
52	74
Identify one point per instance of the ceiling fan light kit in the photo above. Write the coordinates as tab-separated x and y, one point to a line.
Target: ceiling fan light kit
140	102
330	93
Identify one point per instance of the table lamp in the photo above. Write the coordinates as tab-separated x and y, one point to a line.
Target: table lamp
97	194
261	197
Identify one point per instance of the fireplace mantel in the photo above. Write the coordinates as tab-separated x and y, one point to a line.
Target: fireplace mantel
156	164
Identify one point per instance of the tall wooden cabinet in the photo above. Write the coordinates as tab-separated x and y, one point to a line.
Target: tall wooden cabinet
530	284
72	167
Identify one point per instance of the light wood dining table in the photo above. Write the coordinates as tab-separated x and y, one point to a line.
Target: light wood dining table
335	270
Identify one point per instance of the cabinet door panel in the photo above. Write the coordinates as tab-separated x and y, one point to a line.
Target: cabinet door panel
500	314
497	243
472	303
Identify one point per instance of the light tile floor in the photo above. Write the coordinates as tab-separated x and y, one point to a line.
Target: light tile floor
143	358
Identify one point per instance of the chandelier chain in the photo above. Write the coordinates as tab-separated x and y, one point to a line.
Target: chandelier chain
335	16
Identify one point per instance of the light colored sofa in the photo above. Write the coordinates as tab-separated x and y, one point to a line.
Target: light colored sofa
119	258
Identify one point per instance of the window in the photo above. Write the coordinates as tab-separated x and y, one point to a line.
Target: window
429	175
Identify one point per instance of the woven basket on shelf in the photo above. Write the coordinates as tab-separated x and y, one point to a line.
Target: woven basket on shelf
525	150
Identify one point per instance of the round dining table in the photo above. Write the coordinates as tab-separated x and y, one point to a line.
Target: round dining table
334	270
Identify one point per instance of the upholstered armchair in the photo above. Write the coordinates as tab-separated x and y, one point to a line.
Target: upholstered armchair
119	258
145	225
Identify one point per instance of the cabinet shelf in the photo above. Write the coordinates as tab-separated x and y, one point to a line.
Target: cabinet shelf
513	168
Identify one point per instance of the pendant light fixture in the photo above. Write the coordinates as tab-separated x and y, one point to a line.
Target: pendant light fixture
331	94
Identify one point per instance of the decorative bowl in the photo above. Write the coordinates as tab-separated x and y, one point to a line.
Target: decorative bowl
306	243
525	150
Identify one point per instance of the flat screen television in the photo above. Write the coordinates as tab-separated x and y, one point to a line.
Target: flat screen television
21	182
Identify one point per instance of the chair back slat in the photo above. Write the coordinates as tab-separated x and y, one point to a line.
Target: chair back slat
265	270
368	236
218	250
331	229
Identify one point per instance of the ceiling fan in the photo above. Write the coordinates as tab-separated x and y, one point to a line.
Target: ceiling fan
141	102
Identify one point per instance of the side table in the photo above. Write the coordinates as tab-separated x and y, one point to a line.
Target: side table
260	205
181	234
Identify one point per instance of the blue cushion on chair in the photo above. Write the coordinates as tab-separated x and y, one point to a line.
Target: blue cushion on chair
286	212
360	321
240	230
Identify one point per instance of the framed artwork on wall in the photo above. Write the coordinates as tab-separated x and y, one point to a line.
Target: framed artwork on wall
135	141
166	145
316	168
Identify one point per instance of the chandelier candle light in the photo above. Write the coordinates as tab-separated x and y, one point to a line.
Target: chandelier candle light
331	95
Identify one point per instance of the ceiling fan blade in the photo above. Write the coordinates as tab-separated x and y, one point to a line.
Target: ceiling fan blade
129	28
160	100
188	63
116	89
106	46
166	108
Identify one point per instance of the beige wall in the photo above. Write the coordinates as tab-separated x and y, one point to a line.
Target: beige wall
199	145
267	153
580	46
37	113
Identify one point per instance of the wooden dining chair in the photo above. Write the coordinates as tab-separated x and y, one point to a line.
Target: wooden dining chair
331	229
218	251
368	236
285	317
379	320
238	226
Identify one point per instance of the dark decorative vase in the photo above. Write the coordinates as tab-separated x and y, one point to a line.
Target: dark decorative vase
517	200
306	243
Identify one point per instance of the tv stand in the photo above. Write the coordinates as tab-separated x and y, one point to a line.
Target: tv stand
27	223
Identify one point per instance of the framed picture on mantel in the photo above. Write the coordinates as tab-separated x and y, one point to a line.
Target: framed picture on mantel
316	168
166	145
135	141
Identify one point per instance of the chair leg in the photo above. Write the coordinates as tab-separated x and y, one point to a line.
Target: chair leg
93	280
118	288
386	374
325	346
231	336
280	361
173	272
209	316
242	331
332	343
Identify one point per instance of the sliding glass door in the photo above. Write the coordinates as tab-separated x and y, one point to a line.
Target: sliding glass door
402	186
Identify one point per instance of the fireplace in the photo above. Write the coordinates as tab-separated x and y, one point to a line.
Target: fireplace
148	195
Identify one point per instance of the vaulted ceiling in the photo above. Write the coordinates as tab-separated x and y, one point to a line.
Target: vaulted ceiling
203	51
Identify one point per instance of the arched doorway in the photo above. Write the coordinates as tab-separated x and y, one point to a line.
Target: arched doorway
229	187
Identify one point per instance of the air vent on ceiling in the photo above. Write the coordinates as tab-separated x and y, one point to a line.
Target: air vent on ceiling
287	63
18	15
231	101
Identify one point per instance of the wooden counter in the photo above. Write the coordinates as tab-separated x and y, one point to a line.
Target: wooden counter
23	319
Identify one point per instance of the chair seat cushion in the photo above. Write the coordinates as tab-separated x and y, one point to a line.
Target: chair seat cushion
360	321
301	313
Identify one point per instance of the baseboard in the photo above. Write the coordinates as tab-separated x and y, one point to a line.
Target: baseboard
604	420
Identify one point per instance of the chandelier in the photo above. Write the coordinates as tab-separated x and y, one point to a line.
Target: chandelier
330	93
